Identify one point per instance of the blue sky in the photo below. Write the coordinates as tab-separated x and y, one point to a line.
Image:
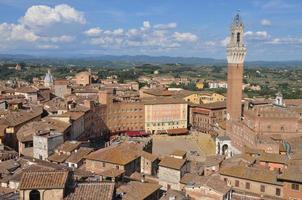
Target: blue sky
273	28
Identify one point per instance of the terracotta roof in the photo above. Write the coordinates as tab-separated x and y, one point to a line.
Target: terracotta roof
43	180
8	166
92	191
249	173
179	131
293	102
137	190
173	163
58	158
136	176
25	133
292	173
214	182
214	160
26	90
55	104
273	158
19	117
74	115
85	90
211	106
178	153
175	195
116	155
61	82
76	157
112	173
158	92
69	146
148	156
163	100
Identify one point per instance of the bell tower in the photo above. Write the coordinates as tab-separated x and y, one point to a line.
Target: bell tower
236	52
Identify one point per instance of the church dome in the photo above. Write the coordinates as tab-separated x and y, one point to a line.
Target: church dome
48	79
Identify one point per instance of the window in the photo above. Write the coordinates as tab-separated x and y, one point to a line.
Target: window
262	188
295	186
225	180
236	183
117	167
28	144
278	191
247	185
238	37
104	164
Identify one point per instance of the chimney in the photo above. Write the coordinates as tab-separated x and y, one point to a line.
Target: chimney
143	178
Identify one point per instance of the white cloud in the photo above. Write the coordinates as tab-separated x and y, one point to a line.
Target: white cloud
31	28
225	41
285	40
16	32
219	43
63	38
93	32
146	25
185	37
258	35
41	15
166	26
159	36
266	22
47	46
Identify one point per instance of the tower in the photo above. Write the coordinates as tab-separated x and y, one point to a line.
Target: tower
236	52
48	79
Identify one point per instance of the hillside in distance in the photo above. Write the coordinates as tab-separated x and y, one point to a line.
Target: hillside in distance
126	60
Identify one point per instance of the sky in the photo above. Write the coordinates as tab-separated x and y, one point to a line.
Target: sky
197	28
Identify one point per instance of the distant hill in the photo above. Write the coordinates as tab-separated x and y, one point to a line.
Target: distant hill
126	60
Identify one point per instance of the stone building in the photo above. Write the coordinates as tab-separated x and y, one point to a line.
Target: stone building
292	182
83	78
64	151
45	143
205	117
149	163
165	114
13	121
117	157
60	185
26	132
77	121
206	187
204	98
170	172
259	182
61	88
30	93
255	125
135	190
120	117
49	185
77	158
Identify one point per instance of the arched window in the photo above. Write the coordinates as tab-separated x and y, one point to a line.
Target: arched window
238	37
34	195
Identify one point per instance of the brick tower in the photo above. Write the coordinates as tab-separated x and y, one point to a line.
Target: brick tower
236	52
